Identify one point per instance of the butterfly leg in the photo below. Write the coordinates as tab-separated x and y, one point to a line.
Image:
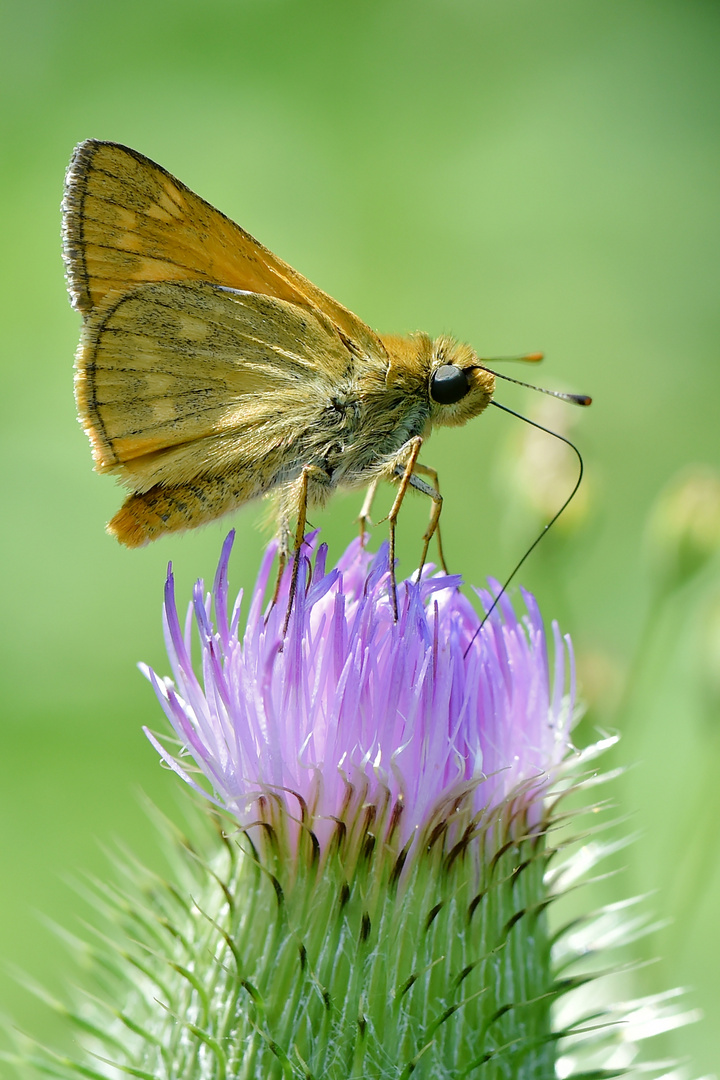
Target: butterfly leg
433	528
299	536
364	515
433	494
283	551
319	479
404	470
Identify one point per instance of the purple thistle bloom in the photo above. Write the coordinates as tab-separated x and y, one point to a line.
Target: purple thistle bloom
414	715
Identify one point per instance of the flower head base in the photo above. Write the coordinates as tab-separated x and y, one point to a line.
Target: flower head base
351	709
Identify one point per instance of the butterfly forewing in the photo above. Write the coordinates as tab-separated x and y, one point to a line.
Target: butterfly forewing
175	379
127	221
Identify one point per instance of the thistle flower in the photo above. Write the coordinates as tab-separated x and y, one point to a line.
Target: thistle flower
375	903
354	710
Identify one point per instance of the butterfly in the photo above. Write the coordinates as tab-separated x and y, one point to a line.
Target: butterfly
210	373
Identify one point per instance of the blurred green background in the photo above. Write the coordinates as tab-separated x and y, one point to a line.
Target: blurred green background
523	175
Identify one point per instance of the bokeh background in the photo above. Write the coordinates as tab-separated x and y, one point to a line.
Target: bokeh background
523	175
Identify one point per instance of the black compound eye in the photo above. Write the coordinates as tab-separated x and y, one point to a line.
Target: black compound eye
448	384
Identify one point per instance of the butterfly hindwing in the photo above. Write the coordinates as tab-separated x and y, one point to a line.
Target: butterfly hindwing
177	379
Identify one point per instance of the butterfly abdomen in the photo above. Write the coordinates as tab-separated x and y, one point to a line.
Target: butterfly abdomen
163	509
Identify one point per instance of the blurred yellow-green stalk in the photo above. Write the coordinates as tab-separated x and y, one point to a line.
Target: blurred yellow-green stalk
523	175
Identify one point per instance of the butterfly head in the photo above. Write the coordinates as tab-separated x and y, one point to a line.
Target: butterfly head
459	387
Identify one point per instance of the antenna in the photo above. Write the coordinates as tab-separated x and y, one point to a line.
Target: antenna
571	397
524	358
574	399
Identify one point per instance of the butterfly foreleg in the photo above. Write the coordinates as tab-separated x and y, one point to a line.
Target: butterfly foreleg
403	469
433	528
415	482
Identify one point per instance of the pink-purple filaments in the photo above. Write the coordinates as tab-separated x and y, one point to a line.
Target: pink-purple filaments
352	699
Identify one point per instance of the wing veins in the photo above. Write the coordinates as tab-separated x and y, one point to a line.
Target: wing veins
149	429
141	255
249	365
